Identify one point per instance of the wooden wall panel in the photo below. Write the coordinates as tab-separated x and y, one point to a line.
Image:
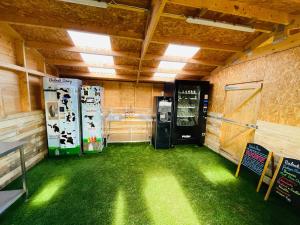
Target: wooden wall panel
213	131
15	125
279	113
29	126
143	96
158	89
36	89
281	139
9	93
7	51
34	60
121	97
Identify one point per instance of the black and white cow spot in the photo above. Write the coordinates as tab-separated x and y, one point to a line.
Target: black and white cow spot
66	138
54	127
71	117
89	117
91	124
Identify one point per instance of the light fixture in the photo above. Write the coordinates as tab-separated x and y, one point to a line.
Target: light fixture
93	3
102	70
224	25
84	39
165	75
181	50
171	65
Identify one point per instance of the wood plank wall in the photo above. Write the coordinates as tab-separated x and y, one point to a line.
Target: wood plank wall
30	127
279	113
120	94
127	96
21	102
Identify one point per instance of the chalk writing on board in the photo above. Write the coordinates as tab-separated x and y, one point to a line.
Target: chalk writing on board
255	158
287	183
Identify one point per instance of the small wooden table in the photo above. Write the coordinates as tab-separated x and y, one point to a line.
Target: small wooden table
7	198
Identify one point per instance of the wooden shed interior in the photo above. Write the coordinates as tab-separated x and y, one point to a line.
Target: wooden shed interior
249	52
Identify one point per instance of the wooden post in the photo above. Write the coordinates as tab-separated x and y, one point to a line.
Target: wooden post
2	109
240	163
264	171
273	179
23	76
42	88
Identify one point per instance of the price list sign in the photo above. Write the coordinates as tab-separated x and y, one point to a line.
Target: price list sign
286	181
256	158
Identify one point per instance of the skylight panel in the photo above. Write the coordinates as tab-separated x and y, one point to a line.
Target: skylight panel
165	75
181	50
102	70
171	65
91	58
83	39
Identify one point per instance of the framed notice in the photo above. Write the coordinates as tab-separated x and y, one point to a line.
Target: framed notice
286	181
256	159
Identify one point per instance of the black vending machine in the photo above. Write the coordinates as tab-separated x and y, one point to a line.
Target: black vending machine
190	112
162	122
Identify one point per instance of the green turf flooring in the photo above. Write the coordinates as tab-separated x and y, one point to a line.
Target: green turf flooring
135	184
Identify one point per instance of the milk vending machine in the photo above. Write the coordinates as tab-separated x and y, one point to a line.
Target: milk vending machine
62	115
162	122
92	118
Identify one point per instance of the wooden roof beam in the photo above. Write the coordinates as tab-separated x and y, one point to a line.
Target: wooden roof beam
156	12
274	46
160	40
238	9
58	23
249	47
132	55
256	27
71	73
71	63
75	49
183	60
202	44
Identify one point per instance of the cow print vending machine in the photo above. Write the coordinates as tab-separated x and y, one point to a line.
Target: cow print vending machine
62	115
92	122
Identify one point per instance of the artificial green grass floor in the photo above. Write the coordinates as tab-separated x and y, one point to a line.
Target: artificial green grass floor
135	184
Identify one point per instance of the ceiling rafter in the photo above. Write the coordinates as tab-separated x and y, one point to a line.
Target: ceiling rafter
71	63
238	9
249	47
76	49
270	46
156	12
124	77
160	40
125	54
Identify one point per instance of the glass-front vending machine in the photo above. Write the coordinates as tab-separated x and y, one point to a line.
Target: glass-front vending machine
190	112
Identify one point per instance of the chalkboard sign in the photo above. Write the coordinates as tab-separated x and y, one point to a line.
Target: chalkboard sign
286	181
256	158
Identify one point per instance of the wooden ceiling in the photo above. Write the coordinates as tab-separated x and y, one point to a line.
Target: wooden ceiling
141	30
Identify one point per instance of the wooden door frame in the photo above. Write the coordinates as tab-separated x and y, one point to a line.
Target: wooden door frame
257	87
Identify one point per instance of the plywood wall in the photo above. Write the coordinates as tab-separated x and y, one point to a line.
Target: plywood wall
10	95
121	97
128	95
279	111
30	127
14	123
280	74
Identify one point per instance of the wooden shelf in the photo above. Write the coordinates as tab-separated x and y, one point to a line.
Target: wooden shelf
17	68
